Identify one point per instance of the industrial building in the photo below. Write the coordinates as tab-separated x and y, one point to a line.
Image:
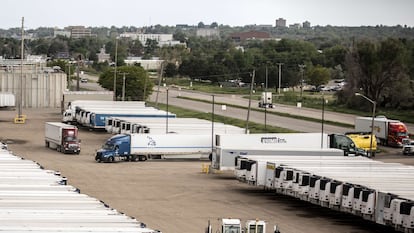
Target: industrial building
33	84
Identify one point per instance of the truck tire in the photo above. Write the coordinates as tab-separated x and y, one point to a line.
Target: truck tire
111	159
133	158
142	158
47	144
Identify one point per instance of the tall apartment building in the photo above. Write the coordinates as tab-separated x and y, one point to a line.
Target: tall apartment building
306	24
79	31
280	23
144	37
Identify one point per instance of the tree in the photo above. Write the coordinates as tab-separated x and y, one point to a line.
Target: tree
318	75
150	47
200	25
214	25
137	83
170	70
376	67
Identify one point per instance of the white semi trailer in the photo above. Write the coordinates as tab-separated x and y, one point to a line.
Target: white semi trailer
228	146
132	147
62	137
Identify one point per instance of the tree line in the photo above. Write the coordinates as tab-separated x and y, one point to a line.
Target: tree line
383	69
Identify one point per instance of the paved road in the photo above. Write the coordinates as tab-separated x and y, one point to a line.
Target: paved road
255	116
304	126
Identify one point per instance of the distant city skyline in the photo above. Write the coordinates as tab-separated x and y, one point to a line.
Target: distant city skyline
94	13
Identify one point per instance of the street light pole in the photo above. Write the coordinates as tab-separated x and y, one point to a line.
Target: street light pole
265	104
374	104
323	117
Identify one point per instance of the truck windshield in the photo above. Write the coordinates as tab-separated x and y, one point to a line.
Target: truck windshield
70	139
231	229
402	134
108	146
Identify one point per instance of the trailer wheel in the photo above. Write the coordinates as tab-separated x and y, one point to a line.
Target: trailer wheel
133	158
47	144
142	158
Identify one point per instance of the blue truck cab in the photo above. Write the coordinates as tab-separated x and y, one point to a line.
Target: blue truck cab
117	147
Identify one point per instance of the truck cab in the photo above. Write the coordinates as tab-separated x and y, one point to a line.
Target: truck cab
266	100
229	225
116	147
345	143
362	141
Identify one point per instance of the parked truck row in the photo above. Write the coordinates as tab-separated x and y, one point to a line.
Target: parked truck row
93	114
116	125
376	191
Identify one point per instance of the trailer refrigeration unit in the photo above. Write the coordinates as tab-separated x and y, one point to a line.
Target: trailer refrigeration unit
132	147
388	132
62	137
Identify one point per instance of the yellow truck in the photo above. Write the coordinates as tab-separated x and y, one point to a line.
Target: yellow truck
362	141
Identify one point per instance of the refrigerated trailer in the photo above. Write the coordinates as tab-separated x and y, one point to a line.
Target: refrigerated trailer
62	137
228	146
132	147
70	111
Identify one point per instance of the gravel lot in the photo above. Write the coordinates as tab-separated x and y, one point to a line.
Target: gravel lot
173	196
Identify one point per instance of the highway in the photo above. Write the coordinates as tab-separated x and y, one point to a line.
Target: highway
255	116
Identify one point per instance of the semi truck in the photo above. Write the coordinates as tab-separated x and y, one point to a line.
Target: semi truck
388	132
62	137
133	147
266	100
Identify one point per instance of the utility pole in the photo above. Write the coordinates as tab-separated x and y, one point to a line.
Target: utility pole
302	67
21	73
77	72
116	61
265	102
123	86
159	83
280	77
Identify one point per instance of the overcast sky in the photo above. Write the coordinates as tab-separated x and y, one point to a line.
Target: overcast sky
58	13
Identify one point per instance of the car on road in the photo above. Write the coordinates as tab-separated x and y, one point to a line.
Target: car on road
84	80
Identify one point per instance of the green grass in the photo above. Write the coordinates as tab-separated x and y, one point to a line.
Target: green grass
308	100
340	124
253	127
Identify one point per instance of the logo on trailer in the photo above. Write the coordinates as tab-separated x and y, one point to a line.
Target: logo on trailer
268	140
151	142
